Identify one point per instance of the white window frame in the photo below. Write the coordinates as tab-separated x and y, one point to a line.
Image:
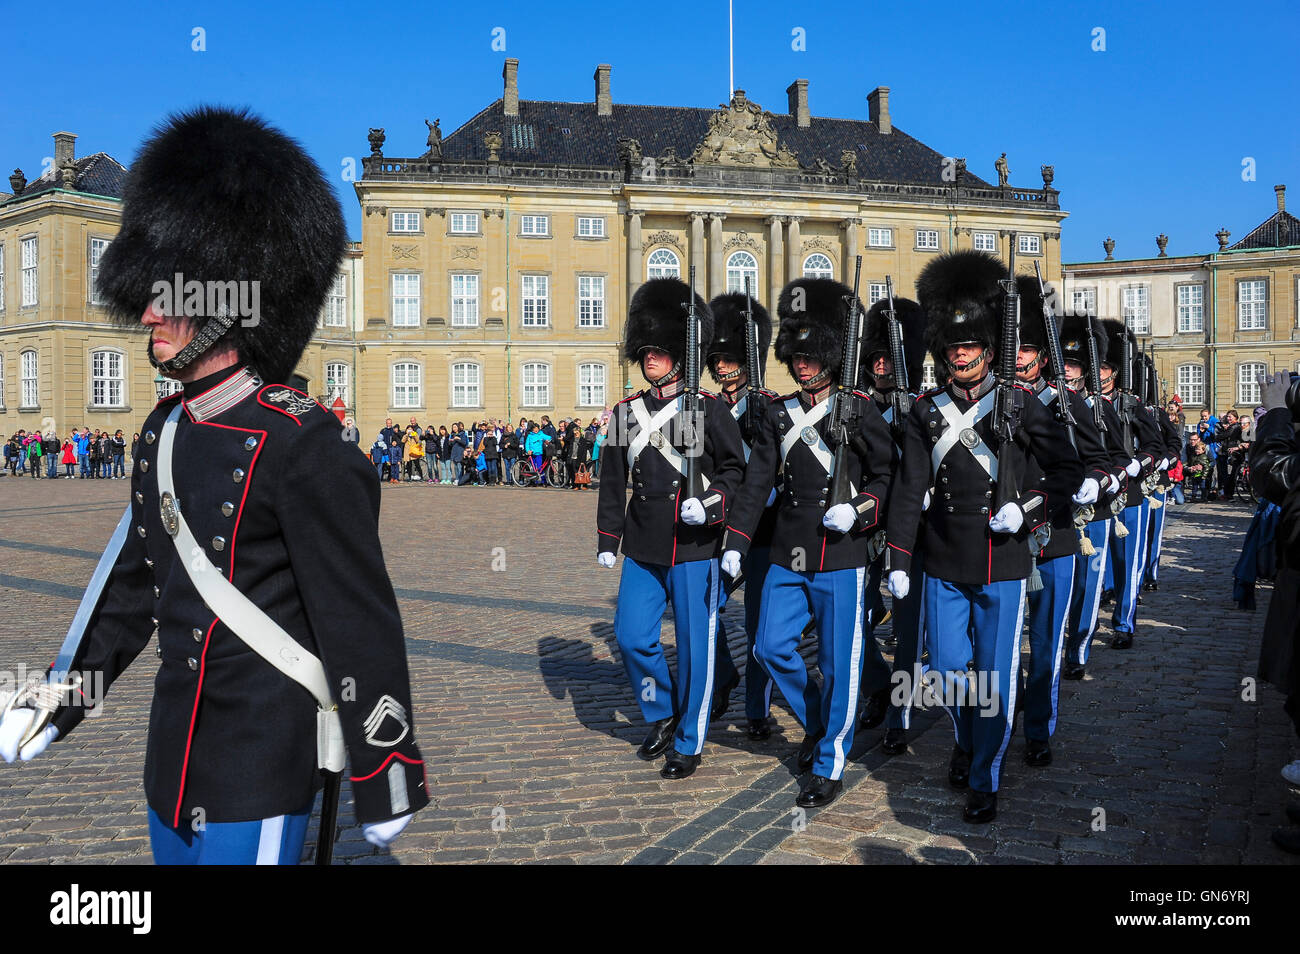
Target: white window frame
927	246
466	392
818	271
537	391
588	393
406	306
594	226
337	385
1190	387
1253	305
1189	304
1248	382
29	379
468	223
876	291
662	269
1083	301
984	241
464	299
739	264
1028	243
880	237
107	378
591	301
30	271
535	226
928	379
409	391
94	253
410	222
534	301
336	314
1136	301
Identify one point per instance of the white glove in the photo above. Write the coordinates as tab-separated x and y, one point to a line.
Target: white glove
771	498
1133	468
839	518
1007	520
381	834
1088	493
925	502
899	584
1164	464
606	559
14	726
731	563
693	512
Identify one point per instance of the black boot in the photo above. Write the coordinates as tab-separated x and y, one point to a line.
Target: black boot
1038	752
1072	670
818	791
895	742
959	768
873	713
679	766
658	739
1121	641
981	807
759	729
807	753
722	698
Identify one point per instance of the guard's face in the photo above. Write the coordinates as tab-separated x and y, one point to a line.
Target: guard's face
167	336
724	365
1107	375
964	361
1073	370
805	368
1027	364
655	364
882	369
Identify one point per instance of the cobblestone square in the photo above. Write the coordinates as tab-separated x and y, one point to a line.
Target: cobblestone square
529	728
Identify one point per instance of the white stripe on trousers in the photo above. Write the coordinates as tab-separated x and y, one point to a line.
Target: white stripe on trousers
1060	650
702	721
269	838
1013	683
855	675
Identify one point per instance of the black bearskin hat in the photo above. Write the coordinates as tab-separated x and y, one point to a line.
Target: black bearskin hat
911	319
219	197
1115	335
962	300
1074	340
1033	333
729	329
812	312
657	319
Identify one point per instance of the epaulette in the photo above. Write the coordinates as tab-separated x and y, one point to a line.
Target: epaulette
288	401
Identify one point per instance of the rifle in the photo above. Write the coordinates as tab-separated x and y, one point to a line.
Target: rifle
692	411
1094	380
901	398
1125	403
1006	407
1056	364
753	365
844	409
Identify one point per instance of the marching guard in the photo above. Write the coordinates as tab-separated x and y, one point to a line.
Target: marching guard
1083	369
906	616
669	538
250	549
734	347
1056	561
1173	449
959	448
1142	441
820	544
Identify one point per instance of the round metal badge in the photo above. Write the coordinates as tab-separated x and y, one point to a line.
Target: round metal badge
969	437
170	520
657	440
810	435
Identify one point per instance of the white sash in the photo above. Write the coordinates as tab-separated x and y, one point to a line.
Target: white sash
648	426
800	419
957	424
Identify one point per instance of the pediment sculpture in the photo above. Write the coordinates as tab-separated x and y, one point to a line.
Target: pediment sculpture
741	134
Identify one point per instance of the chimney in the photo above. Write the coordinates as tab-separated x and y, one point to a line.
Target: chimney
1281	197
64	153
510	73
878	105
604	102
797	94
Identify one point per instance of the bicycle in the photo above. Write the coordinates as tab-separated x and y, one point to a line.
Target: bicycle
557	474
525	474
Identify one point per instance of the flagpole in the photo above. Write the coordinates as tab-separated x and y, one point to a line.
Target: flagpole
731	53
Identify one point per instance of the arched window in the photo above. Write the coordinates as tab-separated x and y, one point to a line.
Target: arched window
818	265
591	385
537	384
742	265
663	263
336	382
107	379
465	385
29	396
406	385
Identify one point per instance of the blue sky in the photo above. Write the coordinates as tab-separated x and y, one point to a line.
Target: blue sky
1147	136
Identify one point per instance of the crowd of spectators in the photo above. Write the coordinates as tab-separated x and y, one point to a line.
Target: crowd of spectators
82	455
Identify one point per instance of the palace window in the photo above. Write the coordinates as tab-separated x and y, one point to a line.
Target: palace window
1191	308
1029	244
464	223
107	382
535	225
927	239
536	291
406	385
591	385
464	300
97	246
591	227
405	222
663	264
335	301
1137	309
336	382
537	385
1083	301
406	300
880	238
818	265
1252	305
465	385
27	365
1248	383
1190	380
591	301
876	291
740	266
985	241
29	271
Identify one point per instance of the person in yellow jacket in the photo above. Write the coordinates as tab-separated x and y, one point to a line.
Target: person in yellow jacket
414	442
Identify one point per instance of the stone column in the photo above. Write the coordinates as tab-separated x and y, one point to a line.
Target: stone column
775	256
794	248
717	269
850	229
697	247
634	267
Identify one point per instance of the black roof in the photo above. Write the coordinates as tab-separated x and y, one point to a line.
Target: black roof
573	134
1280	230
99	174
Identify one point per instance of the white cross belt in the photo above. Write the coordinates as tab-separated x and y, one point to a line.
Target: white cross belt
959	423
648	426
